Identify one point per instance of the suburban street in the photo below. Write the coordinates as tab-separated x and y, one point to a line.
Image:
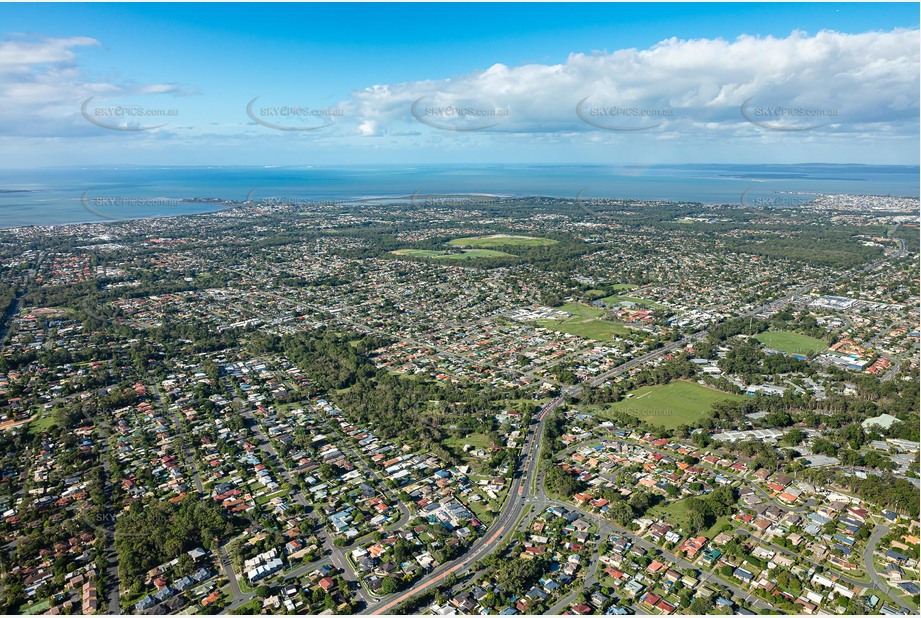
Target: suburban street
879	532
238	598
607	527
519	492
108	524
502	527
336	554
600	309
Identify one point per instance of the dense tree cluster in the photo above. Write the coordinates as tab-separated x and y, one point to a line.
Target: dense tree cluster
826	247
663	373
151	534
562	483
515	576
421	412
747	359
703	511
882	490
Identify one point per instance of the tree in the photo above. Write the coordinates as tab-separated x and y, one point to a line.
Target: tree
562	483
696	521
185	566
700	607
854	435
389	585
154	533
793	437
640	502
621	513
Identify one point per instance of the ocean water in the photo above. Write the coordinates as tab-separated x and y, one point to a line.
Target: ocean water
73	195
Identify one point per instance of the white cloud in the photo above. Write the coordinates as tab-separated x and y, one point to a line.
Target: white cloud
368	128
689	91
20	54
855	81
42	88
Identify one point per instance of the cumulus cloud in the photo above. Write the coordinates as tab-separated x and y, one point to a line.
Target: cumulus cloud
843	82
43	88
22	54
846	89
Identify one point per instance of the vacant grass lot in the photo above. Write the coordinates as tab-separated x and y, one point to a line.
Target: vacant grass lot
482	511
502	240
670	405
581	311
596	294
40	607
598	330
675	512
584	322
613	300
476	440
42	423
420	253
472	254
791	343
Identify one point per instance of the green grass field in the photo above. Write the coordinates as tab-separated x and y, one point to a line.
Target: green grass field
476	440
421	253
597	294
37	608
482	512
717	526
470	254
502	240
791	343
473	254
675	512
43	423
581	311
670	405
612	300
598	330
584	322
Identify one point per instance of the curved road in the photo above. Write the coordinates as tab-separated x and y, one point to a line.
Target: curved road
879	532
503	526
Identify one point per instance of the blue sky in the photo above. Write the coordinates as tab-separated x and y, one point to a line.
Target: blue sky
413	83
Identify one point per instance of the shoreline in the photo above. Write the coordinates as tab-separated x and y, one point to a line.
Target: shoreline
28	226
228	205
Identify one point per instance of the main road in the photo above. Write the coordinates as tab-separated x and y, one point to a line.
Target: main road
502	527
505	524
